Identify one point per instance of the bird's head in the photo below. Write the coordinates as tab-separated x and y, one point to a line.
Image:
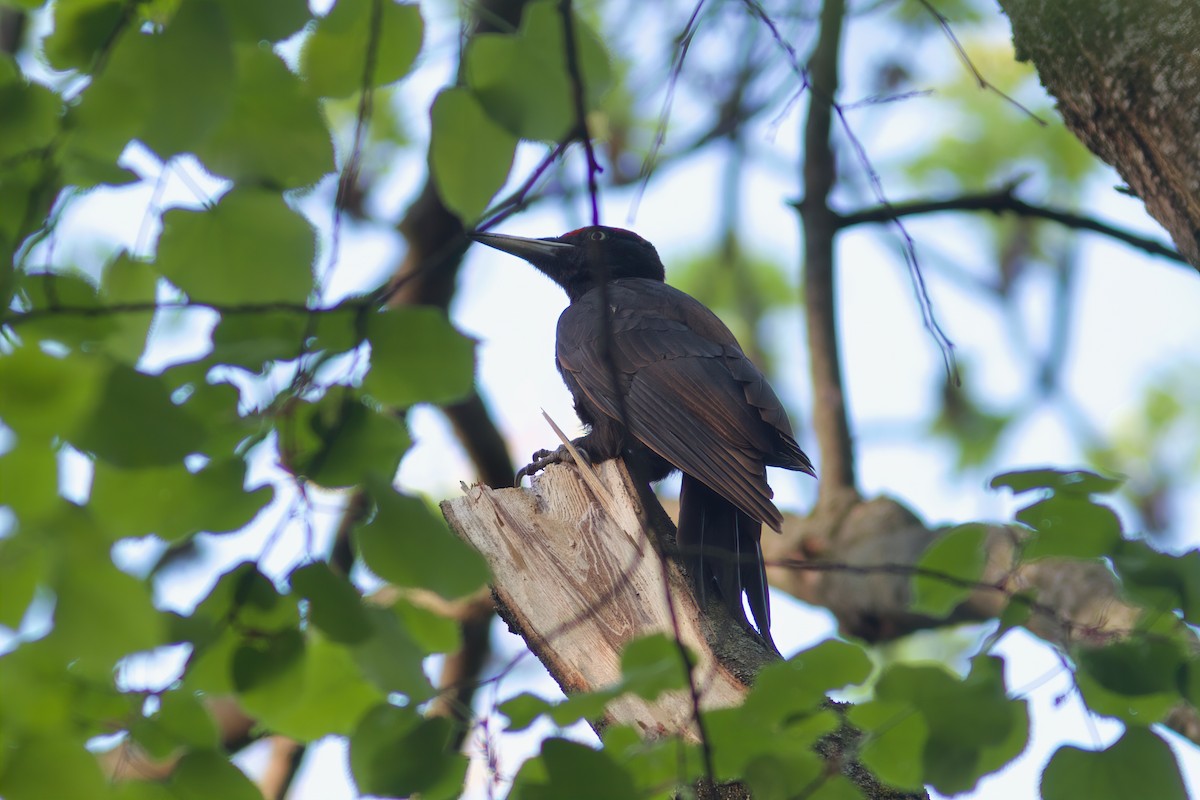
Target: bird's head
579	260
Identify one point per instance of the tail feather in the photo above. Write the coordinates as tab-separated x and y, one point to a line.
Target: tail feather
721	548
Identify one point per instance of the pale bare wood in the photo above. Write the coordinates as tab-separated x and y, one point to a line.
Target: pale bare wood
578	578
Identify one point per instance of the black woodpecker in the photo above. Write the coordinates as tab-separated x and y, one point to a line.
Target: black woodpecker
691	400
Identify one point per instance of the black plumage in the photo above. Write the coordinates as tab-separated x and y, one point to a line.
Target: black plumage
690	397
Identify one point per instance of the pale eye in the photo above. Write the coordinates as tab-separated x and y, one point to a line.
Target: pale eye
598	236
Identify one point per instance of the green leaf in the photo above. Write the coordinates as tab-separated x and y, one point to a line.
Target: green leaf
799	685
181	721
1075	481
87	588
249	248
264	20
1070	525
31	118
895	747
651	665
23	568
128	281
135	424
274	134
335	606
390	659
43	765
523	710
958	554
334	58
29	482
580	772
406	545
522	80
329	697
205	774
268	673
255	340
1135	680
469	154
1160	581
172	502
81	332
1139	764
81	29
340	441
167	89
417	356
432	631
428	762
42	396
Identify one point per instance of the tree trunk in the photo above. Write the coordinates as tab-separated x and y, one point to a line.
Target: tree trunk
1127	77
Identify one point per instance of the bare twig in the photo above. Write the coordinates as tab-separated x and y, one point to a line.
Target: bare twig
1005	201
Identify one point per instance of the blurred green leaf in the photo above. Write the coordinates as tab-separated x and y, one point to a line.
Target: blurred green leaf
23	567
29	481
173	502
78	331
169	89
41	396
81	29
87	588
958	553
318	691
523	710
1070	525
429	765
799	686
417	356
128	281
135	424
264	20
521	79
255	340
207	774
274	134
50	764
1139	764
334	58
469	154
31	117
181	722
340	441
1074	481
391	659
570	769
651	665
1157	580
335	606
406	545
268	673
249	248
1135	680
432	631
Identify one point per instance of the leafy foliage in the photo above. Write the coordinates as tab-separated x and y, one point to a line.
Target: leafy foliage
174	451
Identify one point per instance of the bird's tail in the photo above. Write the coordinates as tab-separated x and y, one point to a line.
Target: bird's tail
721	548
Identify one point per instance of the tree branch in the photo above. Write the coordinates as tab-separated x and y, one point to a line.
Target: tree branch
820	225
1005	201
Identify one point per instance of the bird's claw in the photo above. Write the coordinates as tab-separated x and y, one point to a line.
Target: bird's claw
544	458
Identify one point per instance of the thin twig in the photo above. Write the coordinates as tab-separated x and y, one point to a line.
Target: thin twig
1004	201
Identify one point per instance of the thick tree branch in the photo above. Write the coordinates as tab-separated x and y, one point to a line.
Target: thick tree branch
1004	201
1126	76
820	297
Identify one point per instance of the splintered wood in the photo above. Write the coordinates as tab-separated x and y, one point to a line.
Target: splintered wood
578	578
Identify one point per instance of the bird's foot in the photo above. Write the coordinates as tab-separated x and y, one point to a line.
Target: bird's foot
544	458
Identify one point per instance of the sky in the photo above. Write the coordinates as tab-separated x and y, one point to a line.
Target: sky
1135	316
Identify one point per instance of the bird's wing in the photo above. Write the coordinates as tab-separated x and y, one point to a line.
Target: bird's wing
688	389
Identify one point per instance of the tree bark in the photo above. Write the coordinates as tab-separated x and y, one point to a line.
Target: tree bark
1126	77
